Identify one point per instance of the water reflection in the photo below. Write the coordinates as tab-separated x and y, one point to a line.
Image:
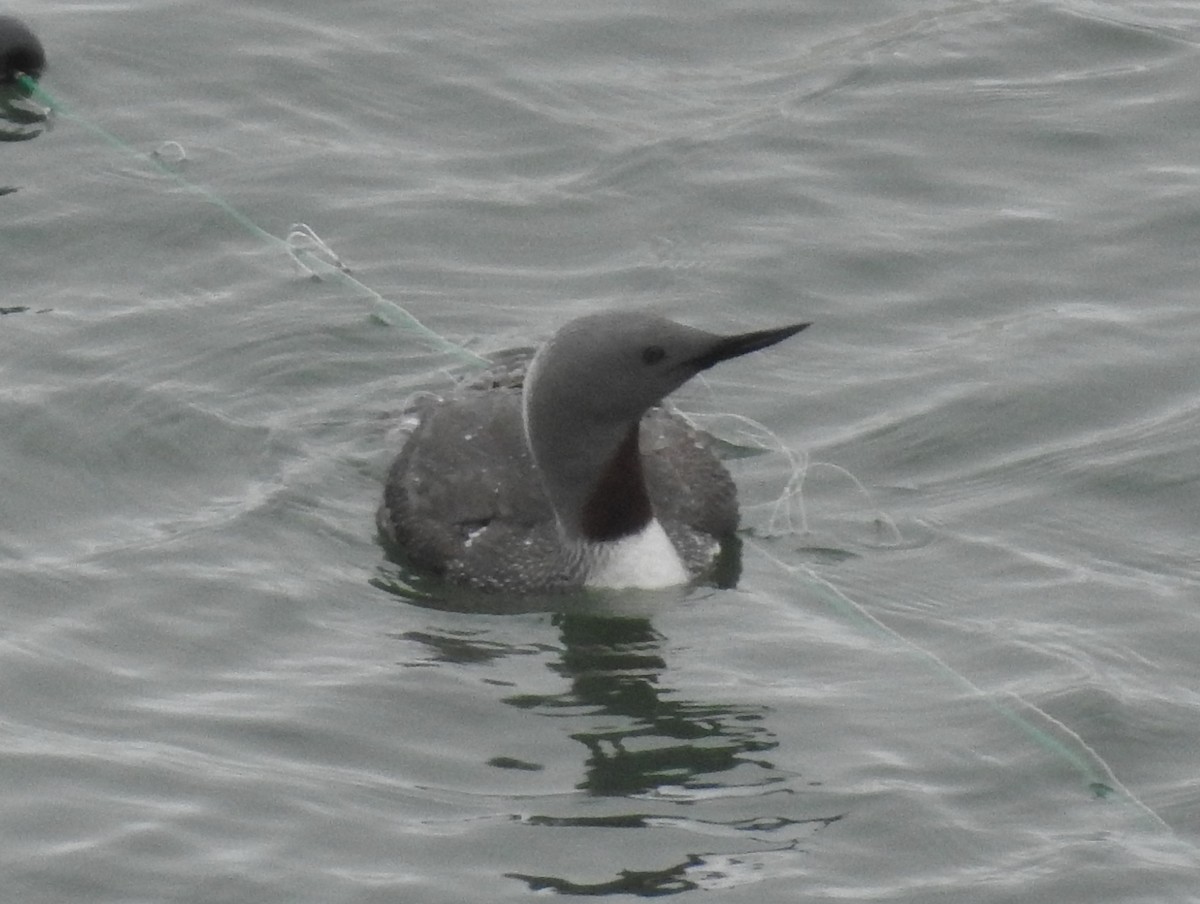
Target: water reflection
648	746
20	118
697	774
644	737
463	647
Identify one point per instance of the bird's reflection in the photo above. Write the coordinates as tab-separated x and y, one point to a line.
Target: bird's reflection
664	763
20	118
22	60
647	745
644	737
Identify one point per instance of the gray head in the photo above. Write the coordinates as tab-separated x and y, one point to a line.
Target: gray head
589	386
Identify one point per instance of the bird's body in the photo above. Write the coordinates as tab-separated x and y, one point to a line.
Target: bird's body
458	499
575	478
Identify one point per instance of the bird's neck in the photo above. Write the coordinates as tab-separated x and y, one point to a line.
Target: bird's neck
611	526
593	476
617	505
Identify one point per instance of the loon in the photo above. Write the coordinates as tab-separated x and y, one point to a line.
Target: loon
575	478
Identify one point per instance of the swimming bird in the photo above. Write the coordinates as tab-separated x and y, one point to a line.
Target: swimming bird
575	477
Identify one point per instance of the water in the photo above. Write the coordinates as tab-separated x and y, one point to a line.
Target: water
973	677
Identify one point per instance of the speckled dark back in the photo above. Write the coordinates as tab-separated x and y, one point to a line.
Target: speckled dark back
458	500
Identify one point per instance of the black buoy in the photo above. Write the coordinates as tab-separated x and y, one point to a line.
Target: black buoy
21	54
20	51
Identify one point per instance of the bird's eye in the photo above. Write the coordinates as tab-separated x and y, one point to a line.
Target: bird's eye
652	354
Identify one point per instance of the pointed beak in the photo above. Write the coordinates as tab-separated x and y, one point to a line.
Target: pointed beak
727	347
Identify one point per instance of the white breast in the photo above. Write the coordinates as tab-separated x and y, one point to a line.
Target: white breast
646	560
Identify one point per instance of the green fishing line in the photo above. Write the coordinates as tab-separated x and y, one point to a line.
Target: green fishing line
1097	776
387	311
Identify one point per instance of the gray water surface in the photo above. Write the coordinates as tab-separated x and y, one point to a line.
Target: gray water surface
961	662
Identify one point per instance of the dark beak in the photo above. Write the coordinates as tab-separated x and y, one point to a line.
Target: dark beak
734	346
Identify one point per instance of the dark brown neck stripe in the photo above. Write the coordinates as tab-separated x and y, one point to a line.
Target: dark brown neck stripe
618	505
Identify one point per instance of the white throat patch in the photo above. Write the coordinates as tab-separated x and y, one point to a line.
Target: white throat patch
646	560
